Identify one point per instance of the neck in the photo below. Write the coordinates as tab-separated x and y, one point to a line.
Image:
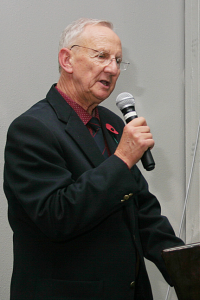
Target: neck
69	89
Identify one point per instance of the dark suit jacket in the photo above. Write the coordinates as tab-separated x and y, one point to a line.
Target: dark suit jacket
74	238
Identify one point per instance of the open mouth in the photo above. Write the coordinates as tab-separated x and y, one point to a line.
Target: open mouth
105	83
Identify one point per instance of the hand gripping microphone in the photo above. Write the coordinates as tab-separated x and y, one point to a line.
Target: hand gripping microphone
126	103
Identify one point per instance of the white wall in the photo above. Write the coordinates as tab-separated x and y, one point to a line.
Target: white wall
192	121
152	33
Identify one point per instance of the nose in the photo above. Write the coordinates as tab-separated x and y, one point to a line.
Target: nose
112	67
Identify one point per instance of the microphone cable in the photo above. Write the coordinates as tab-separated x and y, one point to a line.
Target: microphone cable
187	193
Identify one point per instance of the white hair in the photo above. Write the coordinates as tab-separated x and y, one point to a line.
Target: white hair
74	30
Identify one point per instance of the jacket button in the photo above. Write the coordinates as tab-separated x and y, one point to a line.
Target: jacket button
126	197
132	284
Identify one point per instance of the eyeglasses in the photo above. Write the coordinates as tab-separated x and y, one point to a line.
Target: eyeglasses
104	59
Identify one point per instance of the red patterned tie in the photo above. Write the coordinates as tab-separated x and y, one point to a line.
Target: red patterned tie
98	135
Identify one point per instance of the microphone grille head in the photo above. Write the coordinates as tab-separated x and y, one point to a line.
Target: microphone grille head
124	99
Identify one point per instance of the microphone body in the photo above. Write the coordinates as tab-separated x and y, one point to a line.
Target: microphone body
126	103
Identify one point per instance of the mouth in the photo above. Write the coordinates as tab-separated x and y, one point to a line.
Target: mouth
105	83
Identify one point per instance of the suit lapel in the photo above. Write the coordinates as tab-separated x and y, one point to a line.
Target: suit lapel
75	127
111	138
83	138
80	134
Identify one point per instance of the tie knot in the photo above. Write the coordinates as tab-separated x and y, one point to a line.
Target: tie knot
98	135
94	124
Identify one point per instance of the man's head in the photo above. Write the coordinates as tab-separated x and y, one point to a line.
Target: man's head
75	29
90	55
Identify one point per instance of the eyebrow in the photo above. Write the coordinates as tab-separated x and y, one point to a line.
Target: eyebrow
106	51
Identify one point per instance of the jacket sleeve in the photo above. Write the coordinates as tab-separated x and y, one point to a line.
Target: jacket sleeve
39	185
155	230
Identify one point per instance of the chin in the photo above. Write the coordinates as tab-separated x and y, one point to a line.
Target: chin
104	95
101	99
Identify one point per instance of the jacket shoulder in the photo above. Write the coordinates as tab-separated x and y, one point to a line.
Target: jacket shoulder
108	112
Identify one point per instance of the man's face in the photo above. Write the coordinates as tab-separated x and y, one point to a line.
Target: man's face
94	82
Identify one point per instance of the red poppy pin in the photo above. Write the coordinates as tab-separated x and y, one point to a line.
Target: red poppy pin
111	128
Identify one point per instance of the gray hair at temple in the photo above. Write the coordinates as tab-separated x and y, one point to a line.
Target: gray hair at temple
74	30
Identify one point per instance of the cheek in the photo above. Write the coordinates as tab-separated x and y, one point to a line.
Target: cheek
87	73
91	76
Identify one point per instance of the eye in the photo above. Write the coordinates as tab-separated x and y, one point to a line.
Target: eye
103	55
118	60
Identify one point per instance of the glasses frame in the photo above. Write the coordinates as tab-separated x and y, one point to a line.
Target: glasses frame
122	66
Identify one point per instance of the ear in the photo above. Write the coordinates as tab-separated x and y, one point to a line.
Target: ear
64	58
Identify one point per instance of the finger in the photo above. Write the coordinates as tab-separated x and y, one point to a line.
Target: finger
140	121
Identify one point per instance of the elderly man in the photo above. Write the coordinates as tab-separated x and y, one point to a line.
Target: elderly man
83	218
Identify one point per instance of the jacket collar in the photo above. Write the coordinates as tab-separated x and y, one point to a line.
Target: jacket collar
75	128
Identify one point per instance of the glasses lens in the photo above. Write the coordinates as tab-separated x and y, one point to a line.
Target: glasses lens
124	66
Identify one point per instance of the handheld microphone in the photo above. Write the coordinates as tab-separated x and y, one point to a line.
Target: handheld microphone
126	103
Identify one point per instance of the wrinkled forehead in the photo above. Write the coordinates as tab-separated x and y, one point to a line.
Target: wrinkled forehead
99	36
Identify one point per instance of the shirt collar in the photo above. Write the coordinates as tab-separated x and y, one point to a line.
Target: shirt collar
82	113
